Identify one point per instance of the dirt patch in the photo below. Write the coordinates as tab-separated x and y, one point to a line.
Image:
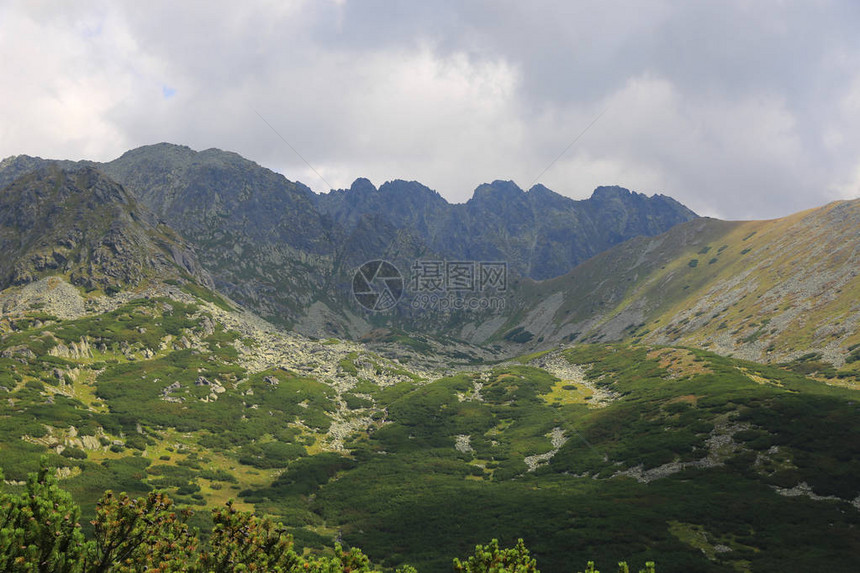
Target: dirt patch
687	399
679	362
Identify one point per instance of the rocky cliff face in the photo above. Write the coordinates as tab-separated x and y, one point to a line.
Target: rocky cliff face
541	234
16	166
82	224
259	234
205	195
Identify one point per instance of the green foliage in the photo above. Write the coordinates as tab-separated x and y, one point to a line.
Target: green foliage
354	402
622	567
20	458
348	364
270	454
421	483
491	559
74	453
144	533
810	364
218	475
400	489
306	475
39	530
207	295
244	542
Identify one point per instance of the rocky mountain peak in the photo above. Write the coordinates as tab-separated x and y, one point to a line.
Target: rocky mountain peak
279	248
362	185
606	192
498	190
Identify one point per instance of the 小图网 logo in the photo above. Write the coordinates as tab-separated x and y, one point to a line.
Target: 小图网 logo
434	284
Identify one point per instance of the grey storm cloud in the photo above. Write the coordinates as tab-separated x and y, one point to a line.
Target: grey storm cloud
739	109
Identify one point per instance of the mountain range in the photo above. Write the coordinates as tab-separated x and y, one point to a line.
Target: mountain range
289	254
617	266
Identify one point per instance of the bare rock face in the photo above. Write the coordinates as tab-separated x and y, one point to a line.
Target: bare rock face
21	353
74	350
166	393
81	224
539	233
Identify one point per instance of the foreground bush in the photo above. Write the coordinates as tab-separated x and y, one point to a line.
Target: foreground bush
492	559
40	532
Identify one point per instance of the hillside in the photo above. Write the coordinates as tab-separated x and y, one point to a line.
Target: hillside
80	224
770	291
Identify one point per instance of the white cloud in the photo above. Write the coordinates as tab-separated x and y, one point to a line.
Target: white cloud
726	106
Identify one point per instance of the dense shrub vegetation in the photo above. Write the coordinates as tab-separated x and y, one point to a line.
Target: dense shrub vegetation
40	531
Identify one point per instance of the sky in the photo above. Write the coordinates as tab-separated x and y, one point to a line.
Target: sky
740	109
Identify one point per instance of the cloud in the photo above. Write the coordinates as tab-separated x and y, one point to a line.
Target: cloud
739	109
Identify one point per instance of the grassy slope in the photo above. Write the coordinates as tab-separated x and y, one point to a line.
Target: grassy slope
764	290
798	272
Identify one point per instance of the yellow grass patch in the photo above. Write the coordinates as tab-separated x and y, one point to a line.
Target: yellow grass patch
568	392
758	379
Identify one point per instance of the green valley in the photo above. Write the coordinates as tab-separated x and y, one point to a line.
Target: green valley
605	452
